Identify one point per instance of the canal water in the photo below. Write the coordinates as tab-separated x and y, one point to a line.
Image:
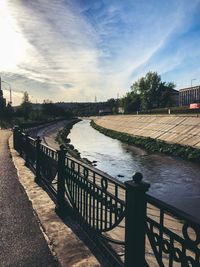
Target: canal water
172	179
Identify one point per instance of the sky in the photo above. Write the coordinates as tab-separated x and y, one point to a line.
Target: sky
79	50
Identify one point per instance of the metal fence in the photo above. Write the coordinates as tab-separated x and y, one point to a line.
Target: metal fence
131	227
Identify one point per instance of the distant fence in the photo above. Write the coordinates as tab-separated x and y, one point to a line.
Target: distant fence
131	227
170	110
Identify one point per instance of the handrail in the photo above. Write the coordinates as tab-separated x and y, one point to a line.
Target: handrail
96	170
178	213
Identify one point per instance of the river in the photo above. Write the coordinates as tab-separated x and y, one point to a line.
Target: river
172	179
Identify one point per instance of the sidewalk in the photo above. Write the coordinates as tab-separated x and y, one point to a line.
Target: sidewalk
22	242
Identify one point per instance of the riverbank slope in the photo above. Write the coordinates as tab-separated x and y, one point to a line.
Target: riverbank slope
183	130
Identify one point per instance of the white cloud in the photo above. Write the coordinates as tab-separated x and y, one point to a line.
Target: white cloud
60	44
69	51
12	47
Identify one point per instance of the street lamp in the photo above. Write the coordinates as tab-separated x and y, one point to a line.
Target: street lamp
9	89
191	81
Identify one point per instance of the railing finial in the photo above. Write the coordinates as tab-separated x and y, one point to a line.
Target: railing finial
137	177
62	147
38	138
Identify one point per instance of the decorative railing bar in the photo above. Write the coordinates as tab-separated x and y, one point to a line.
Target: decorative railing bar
99	172
94	204
173	235
173	243
171	209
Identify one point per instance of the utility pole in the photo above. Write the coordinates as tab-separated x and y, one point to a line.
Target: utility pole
192	81
1	81
2	99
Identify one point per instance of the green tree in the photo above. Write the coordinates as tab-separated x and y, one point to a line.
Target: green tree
131	102
167	99
152	90
113	104
9	112
52	110
25	108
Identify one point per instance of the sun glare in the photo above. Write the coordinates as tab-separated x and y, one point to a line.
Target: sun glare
12	46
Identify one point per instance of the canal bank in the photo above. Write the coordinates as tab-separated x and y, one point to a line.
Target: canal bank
173	135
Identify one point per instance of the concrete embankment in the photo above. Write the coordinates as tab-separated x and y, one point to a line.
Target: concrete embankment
183	130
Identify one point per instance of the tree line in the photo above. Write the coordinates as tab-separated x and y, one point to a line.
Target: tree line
27	112
146	93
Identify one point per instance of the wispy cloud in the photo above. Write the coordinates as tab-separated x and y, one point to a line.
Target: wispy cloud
178	48
76	50
60	45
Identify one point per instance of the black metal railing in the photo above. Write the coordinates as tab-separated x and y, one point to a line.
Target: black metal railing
97	201
131	227
172	236
94	196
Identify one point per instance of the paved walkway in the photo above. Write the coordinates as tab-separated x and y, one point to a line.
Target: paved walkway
21	240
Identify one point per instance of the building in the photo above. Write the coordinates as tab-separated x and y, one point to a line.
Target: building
189	95
2	99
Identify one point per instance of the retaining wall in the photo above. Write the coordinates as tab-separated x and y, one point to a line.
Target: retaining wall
184	130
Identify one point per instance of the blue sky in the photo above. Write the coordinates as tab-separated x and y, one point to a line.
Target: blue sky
74	50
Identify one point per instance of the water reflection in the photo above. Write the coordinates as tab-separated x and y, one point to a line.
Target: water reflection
172	179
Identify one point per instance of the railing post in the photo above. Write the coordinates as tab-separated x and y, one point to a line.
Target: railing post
60	206
37	173
135	222
20	142
15	137
26	150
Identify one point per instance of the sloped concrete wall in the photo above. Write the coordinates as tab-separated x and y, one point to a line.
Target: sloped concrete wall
184	130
